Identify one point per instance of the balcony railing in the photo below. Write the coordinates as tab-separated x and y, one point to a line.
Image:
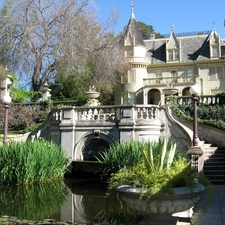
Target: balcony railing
144	60
167	80
205	99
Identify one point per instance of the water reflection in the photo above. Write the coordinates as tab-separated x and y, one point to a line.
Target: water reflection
91	206
33	202
75	201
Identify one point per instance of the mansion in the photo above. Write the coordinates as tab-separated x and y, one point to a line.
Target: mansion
160	65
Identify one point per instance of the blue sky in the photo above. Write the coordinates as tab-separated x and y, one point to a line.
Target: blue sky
186	16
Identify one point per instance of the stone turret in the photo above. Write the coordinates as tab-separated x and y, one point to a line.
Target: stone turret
135	52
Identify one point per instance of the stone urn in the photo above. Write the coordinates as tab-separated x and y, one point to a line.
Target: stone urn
182	199
170	91
93	94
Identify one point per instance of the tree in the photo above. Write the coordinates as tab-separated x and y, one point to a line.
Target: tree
146	30
40	39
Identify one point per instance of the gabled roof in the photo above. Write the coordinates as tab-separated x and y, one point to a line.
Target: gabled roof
192	48
212	38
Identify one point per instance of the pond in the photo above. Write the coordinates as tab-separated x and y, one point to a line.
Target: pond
74	200
77	201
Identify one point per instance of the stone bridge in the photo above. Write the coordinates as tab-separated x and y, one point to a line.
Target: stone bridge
83	132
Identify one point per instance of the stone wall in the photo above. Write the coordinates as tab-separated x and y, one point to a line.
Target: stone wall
209	134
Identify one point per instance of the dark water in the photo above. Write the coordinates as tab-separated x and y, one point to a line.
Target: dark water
74	200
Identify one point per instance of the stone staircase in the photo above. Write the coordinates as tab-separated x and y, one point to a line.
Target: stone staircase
214	164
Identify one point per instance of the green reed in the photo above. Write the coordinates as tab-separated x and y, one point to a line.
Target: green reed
120	155
33	161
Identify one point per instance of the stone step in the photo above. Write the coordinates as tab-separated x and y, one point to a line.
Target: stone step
216	179
214	165
214	171
214	168
215	159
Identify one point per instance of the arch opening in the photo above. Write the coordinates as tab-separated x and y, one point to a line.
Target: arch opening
154	96
93	147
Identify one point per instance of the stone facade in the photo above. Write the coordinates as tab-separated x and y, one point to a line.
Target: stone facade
175	62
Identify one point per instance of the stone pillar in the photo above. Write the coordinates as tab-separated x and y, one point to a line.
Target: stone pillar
67	128
127	123
196	156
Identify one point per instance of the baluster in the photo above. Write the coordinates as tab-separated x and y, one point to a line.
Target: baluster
141	113
152	113
104	114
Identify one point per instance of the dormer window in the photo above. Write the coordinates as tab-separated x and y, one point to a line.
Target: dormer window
214	43
173	55
173	48
215	51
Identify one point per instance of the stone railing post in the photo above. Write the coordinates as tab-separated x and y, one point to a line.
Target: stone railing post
127	123
195	151
67	128
196	156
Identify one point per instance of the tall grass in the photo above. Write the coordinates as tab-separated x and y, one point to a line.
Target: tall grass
120	155
33	161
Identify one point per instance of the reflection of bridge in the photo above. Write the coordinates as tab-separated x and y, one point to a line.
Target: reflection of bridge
84	131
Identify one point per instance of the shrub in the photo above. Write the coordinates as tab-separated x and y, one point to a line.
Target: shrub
210	114
22	117
127	154
160	169
34	161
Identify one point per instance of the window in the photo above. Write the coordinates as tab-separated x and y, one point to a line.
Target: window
158	74
173	55
173	73
215	73
189	72
176	54
215	51
170	55
128	98
124	79
130	77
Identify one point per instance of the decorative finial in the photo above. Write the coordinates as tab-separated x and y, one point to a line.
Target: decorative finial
132	8
213	25
172	27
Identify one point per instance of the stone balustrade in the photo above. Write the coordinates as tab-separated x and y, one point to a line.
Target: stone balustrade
167	80
206	99
144	60
106	113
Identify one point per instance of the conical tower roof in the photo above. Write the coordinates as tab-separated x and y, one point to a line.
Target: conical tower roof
132	34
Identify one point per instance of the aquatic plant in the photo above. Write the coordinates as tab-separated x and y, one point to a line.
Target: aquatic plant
120	155
160	168
33	161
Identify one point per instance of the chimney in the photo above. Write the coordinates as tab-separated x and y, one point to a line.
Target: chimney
152	36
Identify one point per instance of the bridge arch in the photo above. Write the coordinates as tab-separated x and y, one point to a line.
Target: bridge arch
91	144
